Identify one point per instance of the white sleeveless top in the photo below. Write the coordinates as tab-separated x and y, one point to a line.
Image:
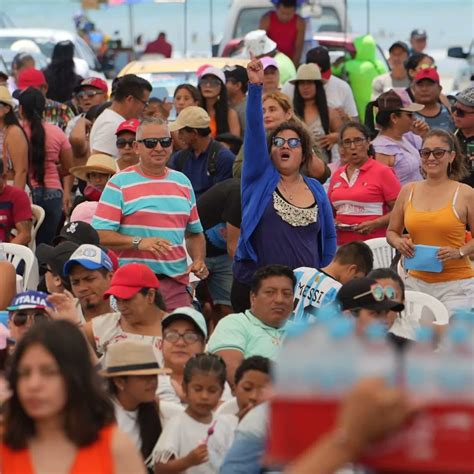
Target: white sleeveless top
107	330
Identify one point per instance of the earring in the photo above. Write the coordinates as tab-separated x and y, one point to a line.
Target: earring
450	168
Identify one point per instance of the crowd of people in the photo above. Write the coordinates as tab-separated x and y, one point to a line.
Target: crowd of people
174	256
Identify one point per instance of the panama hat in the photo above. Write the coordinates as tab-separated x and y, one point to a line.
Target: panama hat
307	72
131	358
97	163
5	96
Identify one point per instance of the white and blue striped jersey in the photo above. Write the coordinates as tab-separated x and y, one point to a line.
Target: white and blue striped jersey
313	290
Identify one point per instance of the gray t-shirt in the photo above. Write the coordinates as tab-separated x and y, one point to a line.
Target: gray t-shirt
240	109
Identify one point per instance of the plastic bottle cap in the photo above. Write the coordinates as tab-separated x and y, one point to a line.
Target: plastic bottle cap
296	329
424	334
376	331
340	327
458	334
463	314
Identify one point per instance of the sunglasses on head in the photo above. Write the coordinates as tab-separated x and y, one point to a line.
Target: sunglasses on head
151	143
379	293
292	142
20	318
123	142
89	93
460	112
438	153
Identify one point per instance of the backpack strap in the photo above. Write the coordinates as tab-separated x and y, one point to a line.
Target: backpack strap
214	148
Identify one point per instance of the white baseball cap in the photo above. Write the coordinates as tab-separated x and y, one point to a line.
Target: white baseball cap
258	43
213	71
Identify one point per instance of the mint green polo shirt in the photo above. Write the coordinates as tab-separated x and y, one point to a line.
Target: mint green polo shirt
245	333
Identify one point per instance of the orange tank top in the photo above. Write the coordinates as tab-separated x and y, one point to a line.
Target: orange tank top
213	127
93	459
440	228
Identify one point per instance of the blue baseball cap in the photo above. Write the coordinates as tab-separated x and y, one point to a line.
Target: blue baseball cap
30	300
189	314
90	257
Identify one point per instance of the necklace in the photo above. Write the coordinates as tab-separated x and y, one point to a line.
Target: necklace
289	194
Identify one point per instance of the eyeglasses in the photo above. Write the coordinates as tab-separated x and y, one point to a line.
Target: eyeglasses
188	337
379	293
210	82
438	153
89	93
123	142
460	112
357	142
292	142
144	102
151	143
20	318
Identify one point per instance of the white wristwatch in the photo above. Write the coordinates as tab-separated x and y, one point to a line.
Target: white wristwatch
136	242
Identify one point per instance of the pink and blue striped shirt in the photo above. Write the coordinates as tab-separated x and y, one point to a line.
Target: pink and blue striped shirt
139	205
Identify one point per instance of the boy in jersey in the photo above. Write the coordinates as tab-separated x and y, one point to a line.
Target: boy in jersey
316	288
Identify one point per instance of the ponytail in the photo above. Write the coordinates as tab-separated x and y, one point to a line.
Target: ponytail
33	104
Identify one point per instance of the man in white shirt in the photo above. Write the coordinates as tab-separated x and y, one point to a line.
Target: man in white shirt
130	97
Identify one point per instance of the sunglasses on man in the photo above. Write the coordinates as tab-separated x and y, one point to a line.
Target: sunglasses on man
151	143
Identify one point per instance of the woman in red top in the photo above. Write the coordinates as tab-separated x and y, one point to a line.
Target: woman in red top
286	28
58	419
362	192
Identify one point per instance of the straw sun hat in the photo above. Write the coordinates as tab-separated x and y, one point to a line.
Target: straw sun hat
131	358
97	163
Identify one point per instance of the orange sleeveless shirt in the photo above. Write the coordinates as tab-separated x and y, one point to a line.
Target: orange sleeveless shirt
93	459
440	228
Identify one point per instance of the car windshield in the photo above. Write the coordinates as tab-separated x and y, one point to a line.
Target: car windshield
46	45
249	19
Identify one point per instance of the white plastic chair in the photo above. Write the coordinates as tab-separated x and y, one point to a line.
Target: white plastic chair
15	254
38	218
419	308
383	252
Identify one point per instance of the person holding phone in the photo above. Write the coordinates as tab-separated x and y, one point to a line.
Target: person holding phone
363	191
437	212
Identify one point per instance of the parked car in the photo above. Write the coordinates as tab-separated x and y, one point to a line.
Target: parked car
7	56
244	16
6	21
85	59
464	76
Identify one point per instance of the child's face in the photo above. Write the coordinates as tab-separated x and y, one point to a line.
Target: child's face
250	389
203	392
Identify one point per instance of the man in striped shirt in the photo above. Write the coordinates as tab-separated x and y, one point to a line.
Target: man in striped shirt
147	214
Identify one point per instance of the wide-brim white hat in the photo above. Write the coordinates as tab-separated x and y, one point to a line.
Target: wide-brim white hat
258	43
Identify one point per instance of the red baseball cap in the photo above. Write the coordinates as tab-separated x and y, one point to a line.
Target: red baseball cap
427	73
30	77
128	126
96	82
129	279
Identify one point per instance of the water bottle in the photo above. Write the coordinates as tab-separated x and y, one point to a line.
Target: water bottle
455	367
378	359
335	369
420	365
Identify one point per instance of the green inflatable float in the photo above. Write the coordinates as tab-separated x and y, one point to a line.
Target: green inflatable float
361	71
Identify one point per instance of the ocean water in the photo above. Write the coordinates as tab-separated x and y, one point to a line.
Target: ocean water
448	22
